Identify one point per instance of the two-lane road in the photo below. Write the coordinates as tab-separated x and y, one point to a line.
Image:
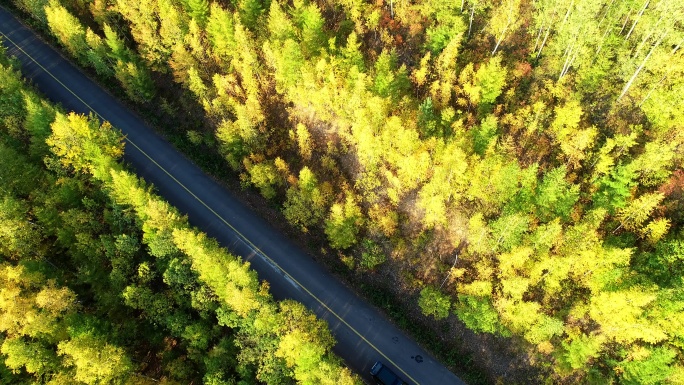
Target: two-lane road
363	333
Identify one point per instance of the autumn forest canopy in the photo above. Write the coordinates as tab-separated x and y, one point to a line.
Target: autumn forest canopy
513	166
103	282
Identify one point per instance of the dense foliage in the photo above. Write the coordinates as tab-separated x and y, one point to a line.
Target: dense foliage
102	282
536	144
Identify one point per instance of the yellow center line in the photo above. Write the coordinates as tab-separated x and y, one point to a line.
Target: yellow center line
244	238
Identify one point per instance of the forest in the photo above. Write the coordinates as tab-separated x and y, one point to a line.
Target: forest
102	282
511	166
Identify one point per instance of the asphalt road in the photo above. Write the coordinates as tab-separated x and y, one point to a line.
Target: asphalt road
363	334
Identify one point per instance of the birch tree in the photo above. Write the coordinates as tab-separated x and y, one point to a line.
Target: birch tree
504	21
655	33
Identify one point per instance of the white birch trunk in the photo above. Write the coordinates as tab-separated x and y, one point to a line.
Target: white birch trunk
648	95
603	39
641	12
567	14
536	41
572	61
568	55
472	12
653	88
606	13
503	33
548	31
676	48
608	29
648	36
449	274
626	20
643	63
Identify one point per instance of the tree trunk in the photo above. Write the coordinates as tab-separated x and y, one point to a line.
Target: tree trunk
570	55
546	36
569	63
641	12
608	29
648	36
606	13
648	95
643	63
449	274
503	33
536	41
472	12
567	13
625	23
603	39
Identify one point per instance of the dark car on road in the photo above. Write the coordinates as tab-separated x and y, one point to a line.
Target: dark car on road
384	376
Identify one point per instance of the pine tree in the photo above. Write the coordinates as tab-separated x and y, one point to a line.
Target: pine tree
68	30
97	56
490	79
143	19
578	352
280	27
199	11
305	203
34	357
633	216
18	235
555	197
484	134
94	359
621	316
250	12
504	21
264	175
343	223
448	26
308	18
479	315
173	23
220	32
34	8
615	189
433	302
389	81
444	186
652	367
